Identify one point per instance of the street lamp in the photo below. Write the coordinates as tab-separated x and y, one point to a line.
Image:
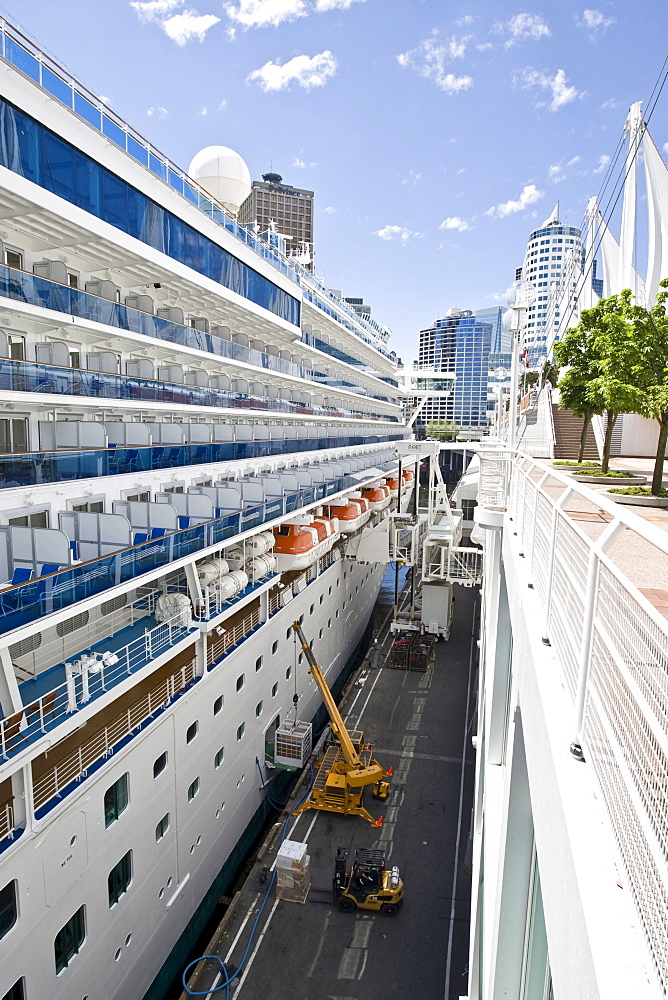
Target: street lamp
500	374
520	296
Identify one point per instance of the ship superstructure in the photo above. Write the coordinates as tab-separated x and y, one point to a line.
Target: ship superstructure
184	412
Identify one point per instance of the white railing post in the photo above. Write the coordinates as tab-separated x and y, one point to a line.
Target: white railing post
535	518
584	666
552	555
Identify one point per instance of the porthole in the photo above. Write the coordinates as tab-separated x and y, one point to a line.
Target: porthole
128	940
117	955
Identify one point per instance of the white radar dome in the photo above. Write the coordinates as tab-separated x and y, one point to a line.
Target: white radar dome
223	173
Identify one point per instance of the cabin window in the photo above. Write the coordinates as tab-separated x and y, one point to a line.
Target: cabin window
274	646
8	908
14	258
36	519
116	800
17	992
193	789
241	680
119	879
258	709
159	764
240	731
191	732
69	939
218	759
288	672
274	690
218	705
258	664
162	828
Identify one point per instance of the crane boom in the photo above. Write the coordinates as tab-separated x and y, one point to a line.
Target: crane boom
347	768
338	725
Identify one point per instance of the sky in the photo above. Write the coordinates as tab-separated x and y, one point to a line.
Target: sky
436	135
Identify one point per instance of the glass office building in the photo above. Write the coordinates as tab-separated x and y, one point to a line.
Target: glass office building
461	344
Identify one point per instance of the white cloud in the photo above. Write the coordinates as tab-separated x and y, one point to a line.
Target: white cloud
454	222
203	111
467	19
157	111
222	105
413	177
183	28
603	161
610	104
484	46
562	92
261	13
323	5
390	232
665	148
528	196
522	27
593	20
306	71
302	164
329	210
154	10
431	58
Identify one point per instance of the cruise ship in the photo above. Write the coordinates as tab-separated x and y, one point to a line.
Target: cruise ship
194	428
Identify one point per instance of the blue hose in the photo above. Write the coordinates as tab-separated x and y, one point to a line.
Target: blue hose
216	958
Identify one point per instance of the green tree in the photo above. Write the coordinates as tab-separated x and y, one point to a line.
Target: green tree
615	387
576	352
640	349
442	430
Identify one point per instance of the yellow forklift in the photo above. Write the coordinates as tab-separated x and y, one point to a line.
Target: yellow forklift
368	884
348	766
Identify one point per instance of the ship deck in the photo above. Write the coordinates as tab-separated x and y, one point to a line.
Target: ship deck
421	725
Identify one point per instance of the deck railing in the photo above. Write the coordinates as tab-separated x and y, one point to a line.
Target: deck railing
7	828
612	647
87	677
76	765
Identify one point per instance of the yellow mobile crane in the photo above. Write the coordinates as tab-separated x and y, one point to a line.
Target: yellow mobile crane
348	766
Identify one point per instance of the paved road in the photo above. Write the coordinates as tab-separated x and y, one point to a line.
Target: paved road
420	723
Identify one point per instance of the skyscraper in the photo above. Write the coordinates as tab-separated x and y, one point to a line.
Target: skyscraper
553	263
288	207
461	344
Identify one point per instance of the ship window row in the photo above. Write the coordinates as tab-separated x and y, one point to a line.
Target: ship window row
36	153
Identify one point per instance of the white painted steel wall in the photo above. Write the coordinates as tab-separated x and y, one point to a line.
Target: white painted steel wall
596	827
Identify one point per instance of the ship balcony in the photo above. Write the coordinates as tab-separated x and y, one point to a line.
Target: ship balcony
70	683
44	584
34	468
46	379
32	289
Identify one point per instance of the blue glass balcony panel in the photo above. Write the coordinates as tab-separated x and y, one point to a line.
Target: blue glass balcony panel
24	287
26	376
28	602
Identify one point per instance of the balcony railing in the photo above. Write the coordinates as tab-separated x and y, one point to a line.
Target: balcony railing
26	376
28	602
55	782
612	647
7	828
37	467
22	286
86	678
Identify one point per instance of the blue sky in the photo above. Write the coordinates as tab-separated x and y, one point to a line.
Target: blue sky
435	134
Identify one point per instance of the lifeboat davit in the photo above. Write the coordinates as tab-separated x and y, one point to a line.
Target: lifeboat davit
351	514
300	544
378	496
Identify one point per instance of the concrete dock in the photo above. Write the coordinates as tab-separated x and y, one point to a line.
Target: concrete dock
421	726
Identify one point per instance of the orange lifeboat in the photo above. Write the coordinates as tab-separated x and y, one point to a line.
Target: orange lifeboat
300	544
393	484
351	514
408	476
377	496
